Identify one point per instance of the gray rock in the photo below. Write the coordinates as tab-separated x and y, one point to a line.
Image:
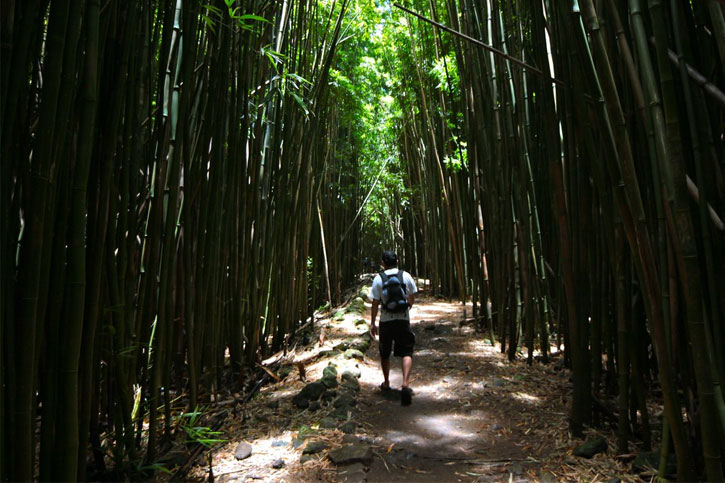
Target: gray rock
343	412
351	385
354	473
351	453
285	371
310	392
357	306
279	443
348	427
342	346
360	322
329	423
351	374
329	381
329	371
244	450
430	327
651	460
352	468
329	353
174	458
498	382
548	477
329	395
314	447
591	446
345	400
278	463
354	354
360	345
301	401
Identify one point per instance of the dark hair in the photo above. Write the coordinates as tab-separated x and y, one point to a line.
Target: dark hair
390	258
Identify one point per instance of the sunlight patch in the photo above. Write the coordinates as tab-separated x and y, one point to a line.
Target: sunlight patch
527	398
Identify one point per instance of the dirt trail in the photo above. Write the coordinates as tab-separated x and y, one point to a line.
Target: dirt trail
475	416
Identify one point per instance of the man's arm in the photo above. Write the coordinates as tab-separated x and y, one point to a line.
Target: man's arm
373	316
411	299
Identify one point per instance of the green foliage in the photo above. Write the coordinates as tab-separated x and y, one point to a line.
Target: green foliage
203	435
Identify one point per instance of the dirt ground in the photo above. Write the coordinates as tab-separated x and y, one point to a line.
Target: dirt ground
474	417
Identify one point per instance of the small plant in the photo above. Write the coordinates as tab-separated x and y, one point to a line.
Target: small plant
199	434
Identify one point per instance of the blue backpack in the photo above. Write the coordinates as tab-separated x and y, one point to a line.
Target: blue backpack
394	297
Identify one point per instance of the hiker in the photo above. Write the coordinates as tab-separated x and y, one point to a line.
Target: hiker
394	297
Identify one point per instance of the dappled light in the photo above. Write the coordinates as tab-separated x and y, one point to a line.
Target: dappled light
196	197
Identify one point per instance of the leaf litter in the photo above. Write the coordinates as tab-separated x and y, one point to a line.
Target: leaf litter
519	406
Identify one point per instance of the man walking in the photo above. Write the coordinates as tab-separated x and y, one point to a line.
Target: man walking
393	292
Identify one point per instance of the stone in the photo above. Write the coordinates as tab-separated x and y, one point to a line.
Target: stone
359	322
351	385
329	423
430	327
548	477
174	458
314	447
342	346
273	404
348	427
329	353
310	392
356	475
314	406
357	306
244	450
498	382
278	463
300	401
342	412
345	400
360	345
591	446
329	395
329	371
651	460
351	453
285	371
329	381
279	443
351	374
354	354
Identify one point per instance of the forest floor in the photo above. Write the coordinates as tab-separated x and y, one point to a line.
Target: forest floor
475	416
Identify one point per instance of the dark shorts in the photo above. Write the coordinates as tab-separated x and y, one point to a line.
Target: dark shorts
398	332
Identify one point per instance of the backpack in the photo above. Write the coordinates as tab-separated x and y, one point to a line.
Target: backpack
394	297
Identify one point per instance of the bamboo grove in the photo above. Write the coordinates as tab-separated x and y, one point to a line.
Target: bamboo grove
184	183
573	159
165	213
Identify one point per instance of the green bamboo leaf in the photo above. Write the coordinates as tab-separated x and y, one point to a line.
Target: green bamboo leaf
301	103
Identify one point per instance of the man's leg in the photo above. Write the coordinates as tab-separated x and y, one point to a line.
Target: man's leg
385	364
407	366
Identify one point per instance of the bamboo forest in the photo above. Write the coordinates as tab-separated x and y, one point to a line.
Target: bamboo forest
195	196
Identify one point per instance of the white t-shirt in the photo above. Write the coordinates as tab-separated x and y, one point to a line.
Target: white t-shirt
376	293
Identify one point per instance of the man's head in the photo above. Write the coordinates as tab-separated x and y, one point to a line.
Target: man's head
390	259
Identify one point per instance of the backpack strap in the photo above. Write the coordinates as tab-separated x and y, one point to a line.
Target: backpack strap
383	276
401	277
